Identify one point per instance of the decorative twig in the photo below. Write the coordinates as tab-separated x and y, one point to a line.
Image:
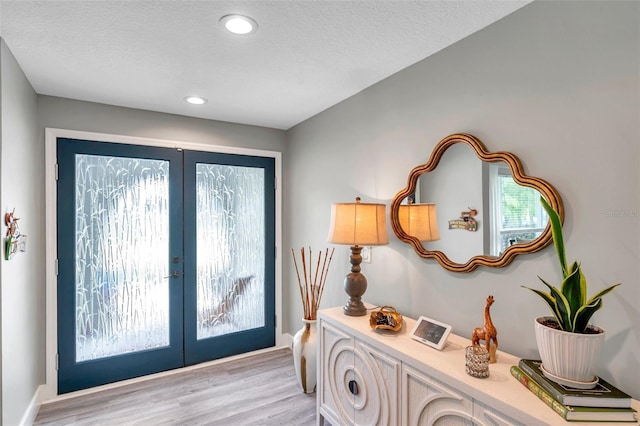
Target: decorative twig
325	271
299	282
306	284
311	291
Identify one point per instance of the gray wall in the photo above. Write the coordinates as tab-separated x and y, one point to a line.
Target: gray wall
22	278
557	84
91	117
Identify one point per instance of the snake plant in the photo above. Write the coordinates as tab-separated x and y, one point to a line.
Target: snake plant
569	304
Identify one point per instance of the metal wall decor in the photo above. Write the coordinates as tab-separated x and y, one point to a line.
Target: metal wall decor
466	221
14	240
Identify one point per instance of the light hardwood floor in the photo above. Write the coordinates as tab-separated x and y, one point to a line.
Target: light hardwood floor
257	390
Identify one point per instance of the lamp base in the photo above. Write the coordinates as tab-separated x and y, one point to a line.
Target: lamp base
355	284
354	308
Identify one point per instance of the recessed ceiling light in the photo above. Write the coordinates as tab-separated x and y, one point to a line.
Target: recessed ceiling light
195	100
239	24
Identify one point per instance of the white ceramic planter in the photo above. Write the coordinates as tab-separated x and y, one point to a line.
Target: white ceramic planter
305	345
571	356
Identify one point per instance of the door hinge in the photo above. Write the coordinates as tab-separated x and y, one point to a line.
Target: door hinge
275	183
57	361
275	321
56	267
56	171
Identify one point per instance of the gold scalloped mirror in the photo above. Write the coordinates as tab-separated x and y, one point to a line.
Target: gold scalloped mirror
488	210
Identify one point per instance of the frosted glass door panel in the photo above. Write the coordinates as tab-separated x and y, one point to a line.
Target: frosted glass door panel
122	252
230	229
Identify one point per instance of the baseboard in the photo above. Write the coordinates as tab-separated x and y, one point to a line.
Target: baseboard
34	406
287	340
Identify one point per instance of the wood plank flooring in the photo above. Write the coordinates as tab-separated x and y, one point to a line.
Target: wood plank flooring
257	390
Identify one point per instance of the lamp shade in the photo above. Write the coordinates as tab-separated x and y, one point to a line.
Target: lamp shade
358	224
420	221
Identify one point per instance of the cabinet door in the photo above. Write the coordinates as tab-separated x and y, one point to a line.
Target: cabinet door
358	385
377	397
426	401
487	416
335	367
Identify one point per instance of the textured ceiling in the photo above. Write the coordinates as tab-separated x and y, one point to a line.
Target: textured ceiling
305	57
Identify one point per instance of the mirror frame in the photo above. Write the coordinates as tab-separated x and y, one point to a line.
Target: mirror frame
542	186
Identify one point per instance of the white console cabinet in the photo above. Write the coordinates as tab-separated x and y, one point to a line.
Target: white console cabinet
368	377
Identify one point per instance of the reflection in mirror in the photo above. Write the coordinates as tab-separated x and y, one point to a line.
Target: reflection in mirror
508	217
455	186
419	220
514	212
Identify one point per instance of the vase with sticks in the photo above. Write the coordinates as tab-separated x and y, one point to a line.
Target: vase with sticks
311	285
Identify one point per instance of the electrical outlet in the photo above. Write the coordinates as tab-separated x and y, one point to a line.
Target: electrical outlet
366	254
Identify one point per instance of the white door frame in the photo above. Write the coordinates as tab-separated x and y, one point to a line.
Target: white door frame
51	316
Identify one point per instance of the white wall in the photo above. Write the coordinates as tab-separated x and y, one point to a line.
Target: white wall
557	84
22	278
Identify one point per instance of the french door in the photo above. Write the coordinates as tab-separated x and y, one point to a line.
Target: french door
166	258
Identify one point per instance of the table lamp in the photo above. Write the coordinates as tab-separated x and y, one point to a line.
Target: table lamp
420	221
357	224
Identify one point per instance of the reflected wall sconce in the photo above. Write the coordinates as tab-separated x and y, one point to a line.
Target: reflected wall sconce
420	221
357	224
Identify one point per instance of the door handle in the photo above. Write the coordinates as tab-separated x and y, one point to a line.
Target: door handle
174	274
353	387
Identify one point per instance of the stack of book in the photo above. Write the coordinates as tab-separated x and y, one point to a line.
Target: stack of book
603	403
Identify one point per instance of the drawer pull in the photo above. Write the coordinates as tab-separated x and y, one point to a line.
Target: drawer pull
353	387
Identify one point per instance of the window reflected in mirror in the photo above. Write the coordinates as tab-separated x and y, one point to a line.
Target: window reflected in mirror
515	213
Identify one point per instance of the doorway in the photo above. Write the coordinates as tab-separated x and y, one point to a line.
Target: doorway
166	258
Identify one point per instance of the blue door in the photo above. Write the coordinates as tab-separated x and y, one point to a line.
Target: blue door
165	259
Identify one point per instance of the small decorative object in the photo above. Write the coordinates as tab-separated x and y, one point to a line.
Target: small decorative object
477	361
386	318
466	221
487	332
14	240
568	345
357	224
431	332
305	340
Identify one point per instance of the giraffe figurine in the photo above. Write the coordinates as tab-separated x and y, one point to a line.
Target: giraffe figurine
487	332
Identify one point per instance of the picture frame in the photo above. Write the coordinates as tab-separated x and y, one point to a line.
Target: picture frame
431	332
